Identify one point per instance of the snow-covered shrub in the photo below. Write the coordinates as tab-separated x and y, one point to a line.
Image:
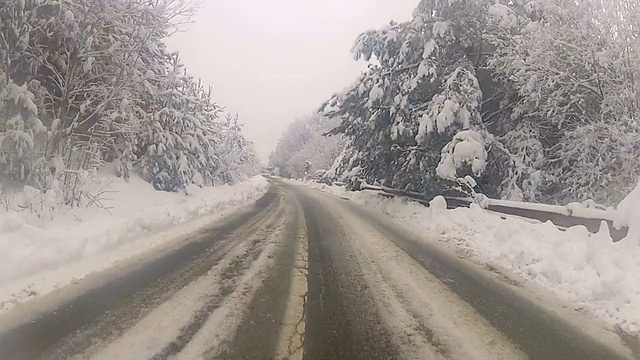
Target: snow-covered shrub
465	151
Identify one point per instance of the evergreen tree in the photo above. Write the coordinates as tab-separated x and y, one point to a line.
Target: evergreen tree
407	110
84	83
535	100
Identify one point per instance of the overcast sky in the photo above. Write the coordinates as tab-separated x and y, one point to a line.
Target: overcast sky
273	61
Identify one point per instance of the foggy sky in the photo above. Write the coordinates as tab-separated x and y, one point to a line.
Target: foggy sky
273	61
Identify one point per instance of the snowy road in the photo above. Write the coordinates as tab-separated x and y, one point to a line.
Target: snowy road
301	274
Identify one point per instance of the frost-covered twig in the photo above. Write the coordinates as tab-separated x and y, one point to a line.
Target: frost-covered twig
6	200
98	198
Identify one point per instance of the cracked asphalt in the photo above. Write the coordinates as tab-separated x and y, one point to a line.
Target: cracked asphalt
299	275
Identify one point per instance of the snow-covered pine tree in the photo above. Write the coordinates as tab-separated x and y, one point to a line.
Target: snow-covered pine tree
80	60
174	143
84	82
22	134
414	119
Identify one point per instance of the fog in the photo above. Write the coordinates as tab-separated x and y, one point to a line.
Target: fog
274	61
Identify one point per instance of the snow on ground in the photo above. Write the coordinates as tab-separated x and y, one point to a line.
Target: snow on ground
627	214
164	324
41	254
588	270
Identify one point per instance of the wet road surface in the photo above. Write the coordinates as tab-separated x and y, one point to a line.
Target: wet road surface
299	275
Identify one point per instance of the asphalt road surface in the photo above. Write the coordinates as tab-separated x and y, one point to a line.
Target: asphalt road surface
300	275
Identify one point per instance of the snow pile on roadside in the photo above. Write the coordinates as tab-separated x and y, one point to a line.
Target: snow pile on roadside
627	214
40	254
586	269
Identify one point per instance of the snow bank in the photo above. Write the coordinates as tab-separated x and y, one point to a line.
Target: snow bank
588	270
627	214
35	251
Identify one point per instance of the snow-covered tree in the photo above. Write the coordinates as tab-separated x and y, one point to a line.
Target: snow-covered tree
572	67
421	90
535	99
237	155
88	82
305	142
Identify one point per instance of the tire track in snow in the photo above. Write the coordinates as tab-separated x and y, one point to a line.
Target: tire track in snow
425	319
168	329
342	321
273	326
292	330
535	329
216	336
98	309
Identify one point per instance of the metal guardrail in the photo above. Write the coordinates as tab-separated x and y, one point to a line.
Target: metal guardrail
560	220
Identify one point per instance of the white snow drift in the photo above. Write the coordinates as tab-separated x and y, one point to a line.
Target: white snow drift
47	249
